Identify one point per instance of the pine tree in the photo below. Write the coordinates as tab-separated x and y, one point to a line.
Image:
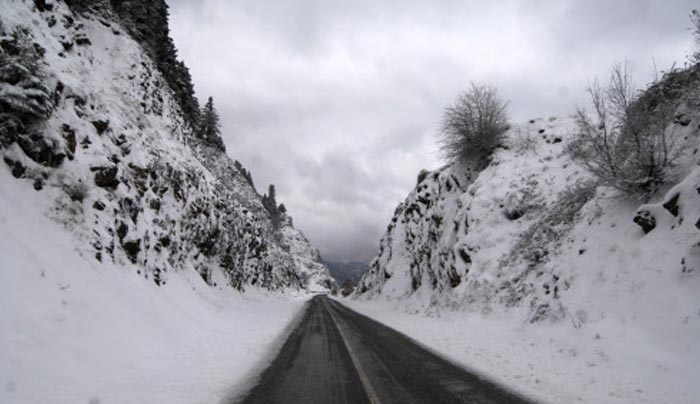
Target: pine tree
269	202
271	194
209	126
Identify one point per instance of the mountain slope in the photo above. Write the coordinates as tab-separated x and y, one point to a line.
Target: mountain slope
530	272
120	158
516	233
126	237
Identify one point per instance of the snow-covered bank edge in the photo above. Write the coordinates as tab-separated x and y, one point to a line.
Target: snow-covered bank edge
551	363
72	331
382	313
238	391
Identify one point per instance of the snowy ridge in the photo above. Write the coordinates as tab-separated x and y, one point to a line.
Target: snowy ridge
125	171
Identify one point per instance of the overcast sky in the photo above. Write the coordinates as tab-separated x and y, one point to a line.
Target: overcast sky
337	102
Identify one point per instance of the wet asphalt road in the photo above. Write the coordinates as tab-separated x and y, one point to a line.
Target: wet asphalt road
336	355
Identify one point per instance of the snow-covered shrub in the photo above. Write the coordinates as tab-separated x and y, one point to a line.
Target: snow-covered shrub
474	125
626	144
522	200
76	191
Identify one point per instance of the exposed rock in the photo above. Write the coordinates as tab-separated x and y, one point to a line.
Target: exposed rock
100	126
106	177
682	119
132	249
41	150
464	255
16	168
514	213
69	135
122	230
67	44
671	204
82	40
154	204
645	220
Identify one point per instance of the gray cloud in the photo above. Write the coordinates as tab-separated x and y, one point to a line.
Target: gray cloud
337	102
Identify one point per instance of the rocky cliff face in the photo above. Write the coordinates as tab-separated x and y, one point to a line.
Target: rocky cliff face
101	124
534	233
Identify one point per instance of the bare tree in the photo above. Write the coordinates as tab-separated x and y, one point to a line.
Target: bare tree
624	143
474	125
695	20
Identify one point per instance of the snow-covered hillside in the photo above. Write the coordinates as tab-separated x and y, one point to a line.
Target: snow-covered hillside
308	259
73	330
121	162
126	239
530	244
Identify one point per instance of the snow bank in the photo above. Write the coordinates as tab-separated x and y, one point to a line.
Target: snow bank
556	362
75	331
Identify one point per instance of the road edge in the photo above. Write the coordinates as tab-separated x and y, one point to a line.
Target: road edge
240	390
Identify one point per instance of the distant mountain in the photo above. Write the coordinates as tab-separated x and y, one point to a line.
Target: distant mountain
347	270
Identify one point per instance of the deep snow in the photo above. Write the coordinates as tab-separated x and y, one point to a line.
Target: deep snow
75	331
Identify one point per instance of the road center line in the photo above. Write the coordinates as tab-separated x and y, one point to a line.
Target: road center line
371	393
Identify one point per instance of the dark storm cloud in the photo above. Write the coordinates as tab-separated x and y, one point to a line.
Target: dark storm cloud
337	102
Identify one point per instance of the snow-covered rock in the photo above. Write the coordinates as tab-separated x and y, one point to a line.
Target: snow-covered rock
315	274
469	238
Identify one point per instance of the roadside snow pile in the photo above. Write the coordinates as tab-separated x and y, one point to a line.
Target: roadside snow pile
530	271
76	331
